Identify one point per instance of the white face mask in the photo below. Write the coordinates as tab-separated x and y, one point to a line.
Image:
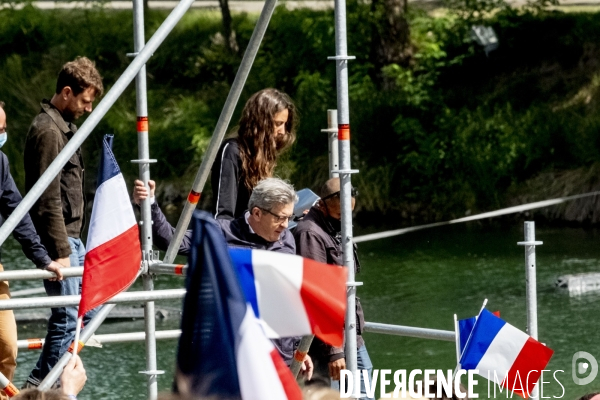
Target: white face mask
3	138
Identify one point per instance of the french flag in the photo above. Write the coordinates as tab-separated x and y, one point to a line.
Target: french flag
113	253
292	295
223	350
505	354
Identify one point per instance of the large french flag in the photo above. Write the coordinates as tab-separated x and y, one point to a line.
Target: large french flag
499	350
113	253
223	350
292	295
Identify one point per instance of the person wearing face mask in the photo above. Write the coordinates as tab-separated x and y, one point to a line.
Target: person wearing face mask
26	235
318	237
266	129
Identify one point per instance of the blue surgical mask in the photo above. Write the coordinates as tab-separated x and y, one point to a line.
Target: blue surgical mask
3	138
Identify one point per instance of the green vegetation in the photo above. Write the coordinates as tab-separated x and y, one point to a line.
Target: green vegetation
450	132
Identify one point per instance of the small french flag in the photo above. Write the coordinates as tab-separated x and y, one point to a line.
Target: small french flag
113	253
292	295
505	354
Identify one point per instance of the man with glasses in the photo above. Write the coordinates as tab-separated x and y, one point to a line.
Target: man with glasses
263	226
318	237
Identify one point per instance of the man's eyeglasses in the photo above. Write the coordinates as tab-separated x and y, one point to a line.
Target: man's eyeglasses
279	218
353	193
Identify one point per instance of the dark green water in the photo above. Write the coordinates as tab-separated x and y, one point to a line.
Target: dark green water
420	279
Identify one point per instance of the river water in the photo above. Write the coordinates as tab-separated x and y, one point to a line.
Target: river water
419	279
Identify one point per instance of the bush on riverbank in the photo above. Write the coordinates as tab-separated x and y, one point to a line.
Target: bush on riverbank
455	132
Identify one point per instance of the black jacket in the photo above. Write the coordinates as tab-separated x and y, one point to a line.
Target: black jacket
318	240
230	194
59	213
24	232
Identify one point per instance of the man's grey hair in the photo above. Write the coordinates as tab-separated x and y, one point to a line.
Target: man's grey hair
271	192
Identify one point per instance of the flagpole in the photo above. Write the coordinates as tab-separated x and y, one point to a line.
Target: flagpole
482	307
457	339
77	334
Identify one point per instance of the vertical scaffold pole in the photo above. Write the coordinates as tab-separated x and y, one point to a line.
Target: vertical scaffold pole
341	62
531	285
332	131
220	129
146	219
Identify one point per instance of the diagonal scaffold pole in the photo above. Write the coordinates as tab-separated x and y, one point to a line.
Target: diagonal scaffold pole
86	129
220	129
87	333
343	116
144	162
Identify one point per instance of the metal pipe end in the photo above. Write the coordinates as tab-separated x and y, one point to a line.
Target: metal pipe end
152	372
530	243
341	58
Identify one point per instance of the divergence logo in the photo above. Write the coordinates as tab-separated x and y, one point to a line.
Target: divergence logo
580	368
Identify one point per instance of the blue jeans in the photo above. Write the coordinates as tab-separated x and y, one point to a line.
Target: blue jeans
363	361
62	322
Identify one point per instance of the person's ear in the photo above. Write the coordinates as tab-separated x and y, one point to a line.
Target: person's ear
255	212
65	92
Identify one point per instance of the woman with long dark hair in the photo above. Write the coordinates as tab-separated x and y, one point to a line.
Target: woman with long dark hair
266	129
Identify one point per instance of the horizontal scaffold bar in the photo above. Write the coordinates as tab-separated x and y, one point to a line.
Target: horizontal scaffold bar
36	344
169	269
410	331
33	274
66	301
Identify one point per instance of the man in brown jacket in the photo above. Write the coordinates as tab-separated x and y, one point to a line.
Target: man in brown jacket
318	237
59	213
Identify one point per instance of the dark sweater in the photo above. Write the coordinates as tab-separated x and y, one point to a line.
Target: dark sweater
24	232
237	234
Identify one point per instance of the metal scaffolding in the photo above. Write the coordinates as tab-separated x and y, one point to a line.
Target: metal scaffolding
340	165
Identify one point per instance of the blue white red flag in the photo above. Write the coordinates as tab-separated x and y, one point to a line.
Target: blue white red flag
113	247
223	351
293	296
505	354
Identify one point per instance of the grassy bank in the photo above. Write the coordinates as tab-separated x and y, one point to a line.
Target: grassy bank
454	132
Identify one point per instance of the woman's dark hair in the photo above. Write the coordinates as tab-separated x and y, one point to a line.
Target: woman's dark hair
258	145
